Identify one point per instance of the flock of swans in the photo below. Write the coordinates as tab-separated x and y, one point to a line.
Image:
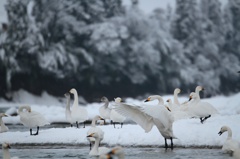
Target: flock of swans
161	115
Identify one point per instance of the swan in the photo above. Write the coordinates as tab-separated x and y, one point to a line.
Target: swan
175	96
199	109
176	111
147	116
96	150
104	111
117	151
198	89
115	117
68	111
31	118
230	145
5	150
3	127
95	129
78	114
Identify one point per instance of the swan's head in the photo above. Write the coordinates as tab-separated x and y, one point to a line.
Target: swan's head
6	145
3	115
95	135
153	97
222	130
118	150
73	90
97	117
199	88
192	95
177	91
118	100
104	99
169	101
67	95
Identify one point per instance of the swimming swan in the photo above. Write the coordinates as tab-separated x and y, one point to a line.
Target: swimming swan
115	117
104	111
200	109
5	150
31	118
230	145
96	150
3	127
78	114
95	129
147	116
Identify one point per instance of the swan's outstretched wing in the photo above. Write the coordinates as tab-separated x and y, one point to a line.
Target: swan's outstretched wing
161	113
136	114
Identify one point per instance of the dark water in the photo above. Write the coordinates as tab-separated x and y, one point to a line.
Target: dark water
131	153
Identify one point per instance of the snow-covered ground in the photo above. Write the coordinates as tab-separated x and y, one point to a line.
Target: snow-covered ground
190	132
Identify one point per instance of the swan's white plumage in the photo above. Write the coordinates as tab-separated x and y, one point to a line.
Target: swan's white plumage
31	118
175	96
67	110
96	150
3	127
5	151
104	111
78	114
115	116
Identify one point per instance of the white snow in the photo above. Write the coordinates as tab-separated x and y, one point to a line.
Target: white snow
190	132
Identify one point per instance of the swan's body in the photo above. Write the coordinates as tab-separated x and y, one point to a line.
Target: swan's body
104	111
199	109
95	129
176	111
116	151
78	114
96	150
68	111
148	116
115	117
31	118
230	146
5	150
3	127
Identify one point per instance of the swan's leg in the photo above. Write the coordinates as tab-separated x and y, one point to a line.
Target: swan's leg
30	131
71	125
166	145
104	122
37	131
206	118
84	124
201	120
114	124
171	143
121	125
77	124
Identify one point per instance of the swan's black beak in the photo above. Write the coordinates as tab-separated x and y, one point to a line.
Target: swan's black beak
101	118
203	88
89	135
219	133
5	115
190	98
9	146
147	100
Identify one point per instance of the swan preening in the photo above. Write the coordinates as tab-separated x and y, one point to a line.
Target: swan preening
5	151
230	146
3	127
104	111
76	114
150	115
95	129
31	118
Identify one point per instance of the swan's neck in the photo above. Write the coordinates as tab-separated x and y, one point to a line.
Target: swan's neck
96	145
160	100
68	104
2	123
106	104
176	98
94	122
6	154
229	133
75	102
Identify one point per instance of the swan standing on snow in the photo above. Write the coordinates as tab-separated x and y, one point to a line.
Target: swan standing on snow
147	116
96	150
230	145
104	111
5	150
78	114
115	117
199	109
3	127
31	118
95	129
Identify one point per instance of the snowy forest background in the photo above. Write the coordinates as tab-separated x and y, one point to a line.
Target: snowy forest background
102	47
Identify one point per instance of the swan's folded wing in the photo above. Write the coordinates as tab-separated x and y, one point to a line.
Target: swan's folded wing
136	114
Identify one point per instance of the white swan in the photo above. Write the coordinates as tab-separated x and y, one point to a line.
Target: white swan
96	150
3	127
115	117
68	111
200	109
104	111
176	111
147	116
31	118
95	129
5	150
230	145
175	96
198	89
117	151
78	114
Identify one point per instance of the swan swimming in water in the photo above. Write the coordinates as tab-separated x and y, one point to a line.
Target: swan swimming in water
230	146
104	111
95	129
96	150
149	115
78	114
3	127
115	116
5	150
31	118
